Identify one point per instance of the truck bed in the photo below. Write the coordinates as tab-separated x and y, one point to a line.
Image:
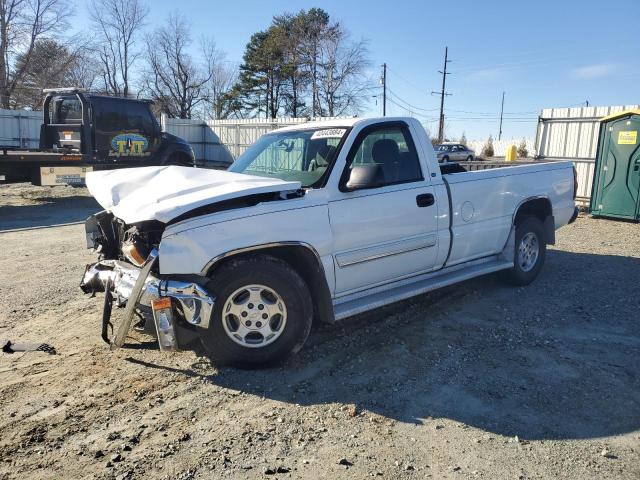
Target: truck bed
483	203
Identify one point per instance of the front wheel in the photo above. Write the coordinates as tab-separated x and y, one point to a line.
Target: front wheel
530	252
262	314
470	158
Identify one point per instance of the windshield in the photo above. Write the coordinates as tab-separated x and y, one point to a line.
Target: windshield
443	148
302	155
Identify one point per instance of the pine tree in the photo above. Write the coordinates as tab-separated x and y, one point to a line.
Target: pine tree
487	149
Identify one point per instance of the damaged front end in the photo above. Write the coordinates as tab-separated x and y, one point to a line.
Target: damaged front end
129	276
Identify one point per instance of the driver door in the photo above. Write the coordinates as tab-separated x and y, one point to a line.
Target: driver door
388	232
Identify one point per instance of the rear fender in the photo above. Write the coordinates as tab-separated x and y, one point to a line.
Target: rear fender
539	207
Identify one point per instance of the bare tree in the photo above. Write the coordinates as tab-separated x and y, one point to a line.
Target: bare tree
53	64
22	24
222	77
342	73
173	78
118	24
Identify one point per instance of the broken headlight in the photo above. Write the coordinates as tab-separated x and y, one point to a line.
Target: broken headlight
135	250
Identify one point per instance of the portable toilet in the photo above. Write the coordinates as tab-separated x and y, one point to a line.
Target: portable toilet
616	180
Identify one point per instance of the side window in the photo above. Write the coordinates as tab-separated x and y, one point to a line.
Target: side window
139	118
110	116
390	147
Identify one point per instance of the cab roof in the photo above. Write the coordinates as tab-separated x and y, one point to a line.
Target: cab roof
340	123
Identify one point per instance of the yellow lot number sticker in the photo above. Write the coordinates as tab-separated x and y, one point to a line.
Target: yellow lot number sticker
629	137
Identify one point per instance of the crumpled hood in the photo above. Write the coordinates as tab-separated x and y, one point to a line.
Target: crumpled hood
164	193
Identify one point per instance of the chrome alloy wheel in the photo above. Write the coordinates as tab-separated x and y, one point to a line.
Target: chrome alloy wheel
254	316
528	252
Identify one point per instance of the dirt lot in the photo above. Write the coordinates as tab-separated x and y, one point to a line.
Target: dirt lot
480	380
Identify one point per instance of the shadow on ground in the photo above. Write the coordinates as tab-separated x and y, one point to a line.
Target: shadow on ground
556	360
54	211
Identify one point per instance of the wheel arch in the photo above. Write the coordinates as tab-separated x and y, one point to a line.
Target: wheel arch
541	208
178	156
303	257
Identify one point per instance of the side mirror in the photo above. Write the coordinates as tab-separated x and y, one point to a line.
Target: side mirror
369	175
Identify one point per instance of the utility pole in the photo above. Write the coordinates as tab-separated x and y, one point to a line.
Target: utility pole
442	94
384	89
501	112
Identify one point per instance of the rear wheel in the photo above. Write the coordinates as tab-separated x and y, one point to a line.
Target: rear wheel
530	252
263	312
470	158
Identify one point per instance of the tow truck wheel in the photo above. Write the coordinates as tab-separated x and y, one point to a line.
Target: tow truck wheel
262	314
530	252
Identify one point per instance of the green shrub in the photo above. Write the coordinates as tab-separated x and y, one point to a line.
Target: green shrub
522	149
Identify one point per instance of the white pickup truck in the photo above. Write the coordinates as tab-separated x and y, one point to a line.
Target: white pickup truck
316	222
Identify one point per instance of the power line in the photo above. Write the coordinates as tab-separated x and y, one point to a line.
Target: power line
407	81
398	101
408	109
492	113
413	107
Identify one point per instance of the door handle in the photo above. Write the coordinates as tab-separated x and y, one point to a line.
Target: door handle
425	200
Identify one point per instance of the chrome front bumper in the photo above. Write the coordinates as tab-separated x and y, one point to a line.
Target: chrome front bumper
196	303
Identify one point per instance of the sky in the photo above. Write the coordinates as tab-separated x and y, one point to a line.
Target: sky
541	53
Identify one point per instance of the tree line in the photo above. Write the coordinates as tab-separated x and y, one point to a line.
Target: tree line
303	64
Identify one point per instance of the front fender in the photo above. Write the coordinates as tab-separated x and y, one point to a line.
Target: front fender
190	247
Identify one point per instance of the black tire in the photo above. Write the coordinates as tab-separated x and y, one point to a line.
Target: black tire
278	276
521	275
470	158
445	159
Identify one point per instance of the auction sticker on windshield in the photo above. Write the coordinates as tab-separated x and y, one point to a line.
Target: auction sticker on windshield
329	133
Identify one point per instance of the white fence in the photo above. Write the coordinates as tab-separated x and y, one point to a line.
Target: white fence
562	134
500	146
220	142
216	142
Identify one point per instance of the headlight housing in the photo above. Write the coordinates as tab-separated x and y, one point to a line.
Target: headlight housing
134	250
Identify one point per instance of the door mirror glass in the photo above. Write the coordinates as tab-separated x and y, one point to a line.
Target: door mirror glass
368	175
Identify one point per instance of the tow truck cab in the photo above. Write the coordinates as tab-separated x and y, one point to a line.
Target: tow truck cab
82	132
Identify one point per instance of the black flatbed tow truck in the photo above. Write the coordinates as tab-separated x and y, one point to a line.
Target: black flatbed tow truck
81	132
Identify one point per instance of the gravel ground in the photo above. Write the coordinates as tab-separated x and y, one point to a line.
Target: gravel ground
479	380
